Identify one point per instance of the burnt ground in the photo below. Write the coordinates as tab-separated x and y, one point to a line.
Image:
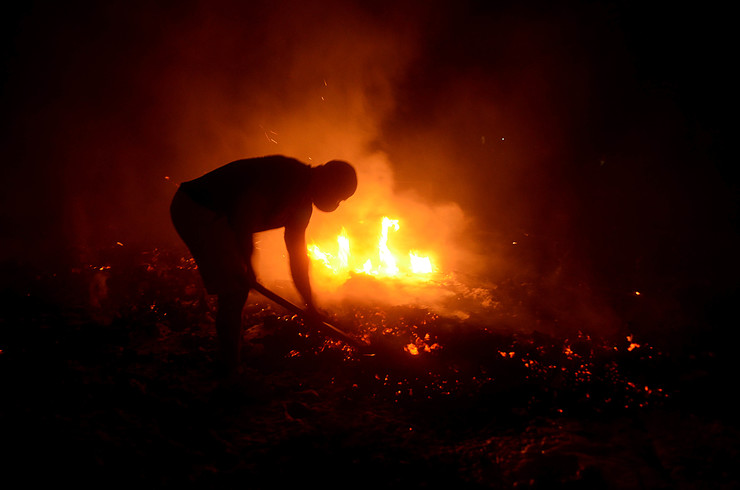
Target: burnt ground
108	379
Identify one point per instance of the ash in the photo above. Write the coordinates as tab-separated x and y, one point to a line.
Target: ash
109	377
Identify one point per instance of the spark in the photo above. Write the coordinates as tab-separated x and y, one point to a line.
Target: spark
269	134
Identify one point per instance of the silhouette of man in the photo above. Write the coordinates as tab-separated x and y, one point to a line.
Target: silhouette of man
217	214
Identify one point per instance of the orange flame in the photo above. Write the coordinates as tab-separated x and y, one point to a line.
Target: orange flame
384	262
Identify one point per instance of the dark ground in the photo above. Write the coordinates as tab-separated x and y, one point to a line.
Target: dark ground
108	379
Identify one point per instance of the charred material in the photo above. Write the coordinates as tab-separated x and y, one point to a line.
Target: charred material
111	378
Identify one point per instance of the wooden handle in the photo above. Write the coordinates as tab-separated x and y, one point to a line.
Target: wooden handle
311	318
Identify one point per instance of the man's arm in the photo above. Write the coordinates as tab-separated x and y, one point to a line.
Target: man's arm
295	243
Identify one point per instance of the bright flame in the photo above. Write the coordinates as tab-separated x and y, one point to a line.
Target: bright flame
343	243
384	264
387	260
315	253
420	265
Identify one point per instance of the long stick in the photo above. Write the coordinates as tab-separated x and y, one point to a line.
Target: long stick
300	311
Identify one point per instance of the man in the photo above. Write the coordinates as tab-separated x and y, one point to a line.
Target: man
217	214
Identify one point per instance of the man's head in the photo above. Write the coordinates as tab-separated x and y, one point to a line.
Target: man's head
332	183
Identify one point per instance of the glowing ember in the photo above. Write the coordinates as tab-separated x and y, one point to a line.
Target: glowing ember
385	263
633	345
412	349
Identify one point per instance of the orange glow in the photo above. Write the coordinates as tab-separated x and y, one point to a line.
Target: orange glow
420	265
387	260
412	349
383	263
633	345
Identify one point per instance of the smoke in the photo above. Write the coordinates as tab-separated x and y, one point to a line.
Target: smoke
517	144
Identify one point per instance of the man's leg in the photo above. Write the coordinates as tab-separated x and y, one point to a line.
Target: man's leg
213	245
229	329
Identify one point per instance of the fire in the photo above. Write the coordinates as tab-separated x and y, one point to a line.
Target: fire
420	265
387	260
383	263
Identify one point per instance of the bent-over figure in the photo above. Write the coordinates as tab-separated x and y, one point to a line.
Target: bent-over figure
217	214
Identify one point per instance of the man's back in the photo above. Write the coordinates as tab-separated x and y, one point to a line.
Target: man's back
257	193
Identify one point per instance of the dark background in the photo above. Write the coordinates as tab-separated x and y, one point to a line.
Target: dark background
595	133
569	154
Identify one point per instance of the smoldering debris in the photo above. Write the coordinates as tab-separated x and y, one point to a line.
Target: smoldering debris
134	394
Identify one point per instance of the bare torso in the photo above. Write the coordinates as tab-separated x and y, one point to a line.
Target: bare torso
256	194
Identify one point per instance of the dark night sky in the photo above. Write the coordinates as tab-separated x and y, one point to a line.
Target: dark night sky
597	128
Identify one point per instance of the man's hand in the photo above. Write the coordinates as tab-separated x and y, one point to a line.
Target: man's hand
295	242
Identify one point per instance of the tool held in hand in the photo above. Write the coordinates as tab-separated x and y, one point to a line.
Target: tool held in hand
320	323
